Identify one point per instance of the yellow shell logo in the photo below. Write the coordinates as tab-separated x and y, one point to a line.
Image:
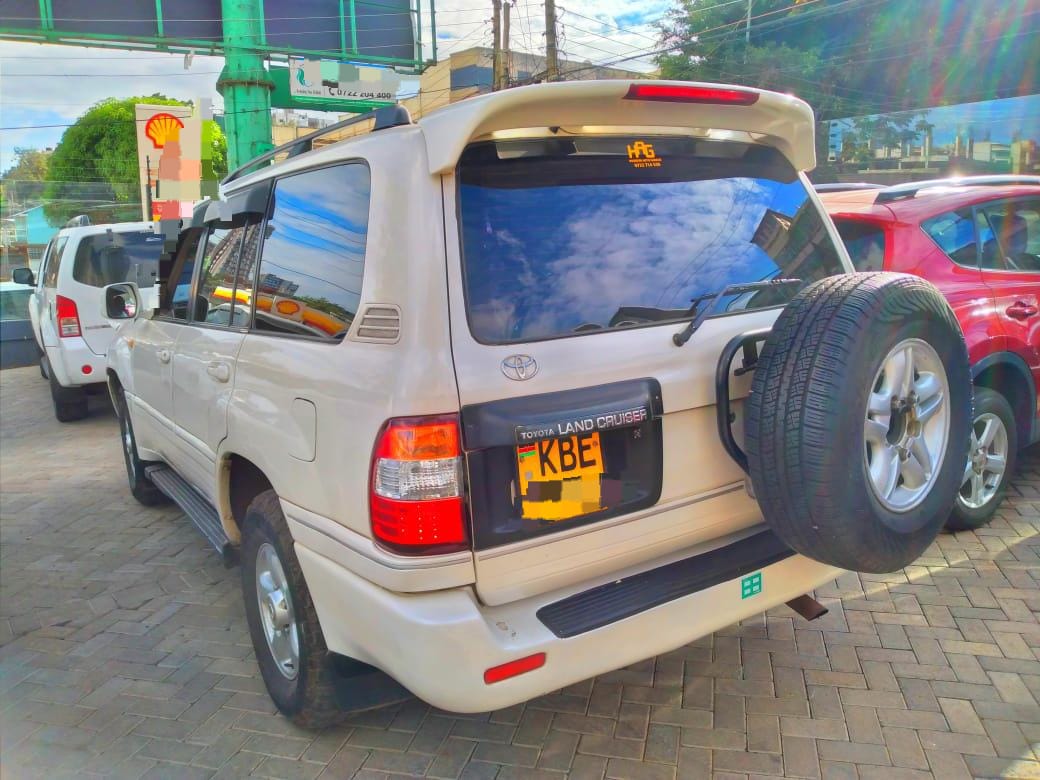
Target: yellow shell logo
161	128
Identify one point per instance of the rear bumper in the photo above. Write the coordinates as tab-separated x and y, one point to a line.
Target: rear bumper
438	644
68	359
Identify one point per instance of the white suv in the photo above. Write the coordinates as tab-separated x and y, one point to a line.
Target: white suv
65	310
469	398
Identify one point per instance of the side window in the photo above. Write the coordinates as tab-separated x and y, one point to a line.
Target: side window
865	242
177	289
214	298
313	255
954	232
1013	235
50	275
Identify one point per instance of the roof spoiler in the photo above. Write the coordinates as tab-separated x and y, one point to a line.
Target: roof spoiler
387	116
781	121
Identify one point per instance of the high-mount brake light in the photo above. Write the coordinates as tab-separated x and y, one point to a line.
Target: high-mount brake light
415	498
673	93
67	315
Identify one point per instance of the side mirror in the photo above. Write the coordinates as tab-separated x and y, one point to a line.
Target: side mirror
121	301
23	276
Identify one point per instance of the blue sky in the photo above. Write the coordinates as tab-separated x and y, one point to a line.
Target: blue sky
53	85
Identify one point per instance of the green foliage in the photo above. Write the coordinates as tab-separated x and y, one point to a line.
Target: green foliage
23	181
101	147
850	58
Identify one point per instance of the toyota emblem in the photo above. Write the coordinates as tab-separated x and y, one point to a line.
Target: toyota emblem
519	367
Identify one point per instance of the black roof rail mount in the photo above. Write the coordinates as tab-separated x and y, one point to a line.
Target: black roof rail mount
385	117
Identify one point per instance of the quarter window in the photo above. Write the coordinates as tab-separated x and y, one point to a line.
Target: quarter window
954	232
313	255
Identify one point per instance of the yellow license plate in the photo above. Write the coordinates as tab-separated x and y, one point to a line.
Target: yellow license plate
560	478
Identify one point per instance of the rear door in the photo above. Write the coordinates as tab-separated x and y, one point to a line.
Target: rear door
46	289
106	258
591	437
1009	239
206	352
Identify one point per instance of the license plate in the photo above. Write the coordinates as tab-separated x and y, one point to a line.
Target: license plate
560	478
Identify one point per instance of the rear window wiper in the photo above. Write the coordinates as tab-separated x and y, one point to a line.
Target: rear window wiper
710	302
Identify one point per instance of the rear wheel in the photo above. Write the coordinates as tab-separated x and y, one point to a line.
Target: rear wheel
297	667
994	445
70	403
858	420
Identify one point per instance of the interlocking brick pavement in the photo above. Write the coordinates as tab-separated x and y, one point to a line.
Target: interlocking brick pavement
124	653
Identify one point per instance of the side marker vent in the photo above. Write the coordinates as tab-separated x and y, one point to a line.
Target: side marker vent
380	322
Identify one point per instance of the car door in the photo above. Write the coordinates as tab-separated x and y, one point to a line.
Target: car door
151	354
1009	238
37	296
46	289
206	351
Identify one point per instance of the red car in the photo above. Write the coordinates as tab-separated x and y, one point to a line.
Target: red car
980	245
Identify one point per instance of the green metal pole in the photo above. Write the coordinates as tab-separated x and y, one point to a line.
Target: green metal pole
244	82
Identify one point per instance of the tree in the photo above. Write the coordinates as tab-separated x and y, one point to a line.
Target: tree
100	149
24	180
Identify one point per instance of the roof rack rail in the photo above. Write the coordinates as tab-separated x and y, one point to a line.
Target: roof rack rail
910	189
385	117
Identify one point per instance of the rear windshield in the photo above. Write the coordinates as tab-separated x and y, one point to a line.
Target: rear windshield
572	235
108	258
865	242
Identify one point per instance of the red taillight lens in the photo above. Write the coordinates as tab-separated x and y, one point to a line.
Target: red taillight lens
513	668
415	499
670	93
67	316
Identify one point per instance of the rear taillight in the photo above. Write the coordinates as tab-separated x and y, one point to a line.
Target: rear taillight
672	93
416	500
68	317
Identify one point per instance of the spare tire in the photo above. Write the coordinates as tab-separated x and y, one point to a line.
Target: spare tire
859	420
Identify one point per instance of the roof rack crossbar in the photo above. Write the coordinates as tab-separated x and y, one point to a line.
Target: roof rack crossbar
385	117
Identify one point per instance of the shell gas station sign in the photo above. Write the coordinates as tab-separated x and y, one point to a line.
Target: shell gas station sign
174	157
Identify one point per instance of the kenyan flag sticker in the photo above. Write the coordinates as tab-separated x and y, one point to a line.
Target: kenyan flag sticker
526	451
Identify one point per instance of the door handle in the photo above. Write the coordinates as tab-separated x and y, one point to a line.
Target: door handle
219	371
1020	310
164	356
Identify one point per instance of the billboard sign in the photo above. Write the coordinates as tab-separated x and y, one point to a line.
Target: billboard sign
174	157
309	78
384	32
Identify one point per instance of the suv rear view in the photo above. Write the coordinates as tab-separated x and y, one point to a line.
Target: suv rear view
478	418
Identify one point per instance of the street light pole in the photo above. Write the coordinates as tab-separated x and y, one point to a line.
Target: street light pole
747	31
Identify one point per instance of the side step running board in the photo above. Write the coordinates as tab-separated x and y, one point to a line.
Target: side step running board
197	508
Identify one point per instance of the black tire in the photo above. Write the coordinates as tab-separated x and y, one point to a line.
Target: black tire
70	403
310	698
806	444
964	516
141	487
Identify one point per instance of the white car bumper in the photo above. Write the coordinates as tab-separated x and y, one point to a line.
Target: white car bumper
74	364
439	644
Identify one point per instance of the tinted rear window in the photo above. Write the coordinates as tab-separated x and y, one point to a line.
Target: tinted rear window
581	234
865	242
108	258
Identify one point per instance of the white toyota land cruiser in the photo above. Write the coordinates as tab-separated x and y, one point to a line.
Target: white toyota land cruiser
552	381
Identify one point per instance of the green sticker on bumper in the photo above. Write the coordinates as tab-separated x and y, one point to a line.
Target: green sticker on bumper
751	585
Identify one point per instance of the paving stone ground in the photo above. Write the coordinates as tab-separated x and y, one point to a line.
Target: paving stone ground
124	652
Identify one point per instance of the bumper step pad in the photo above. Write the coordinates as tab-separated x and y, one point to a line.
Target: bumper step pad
613	601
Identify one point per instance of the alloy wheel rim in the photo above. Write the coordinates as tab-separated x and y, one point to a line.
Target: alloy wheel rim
907	425
276	612
987	461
